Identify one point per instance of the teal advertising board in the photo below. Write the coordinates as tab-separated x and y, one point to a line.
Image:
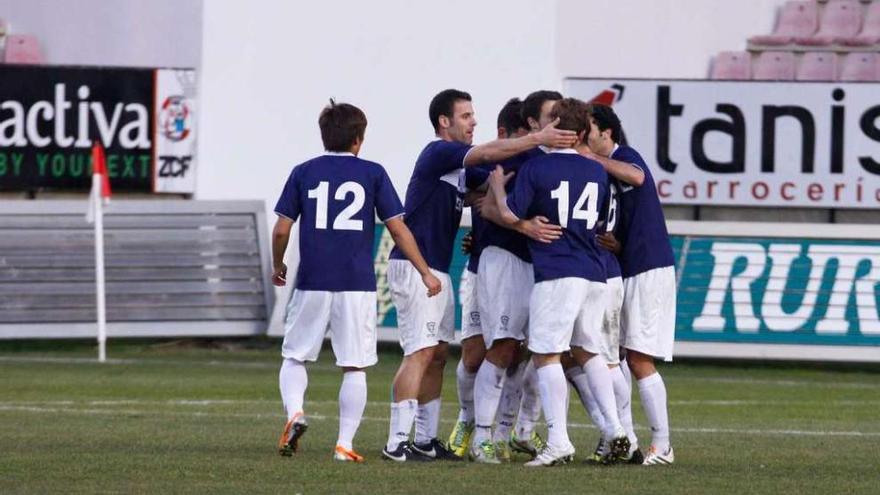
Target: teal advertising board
746	289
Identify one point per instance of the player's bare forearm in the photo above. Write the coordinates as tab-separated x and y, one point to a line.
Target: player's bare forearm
622	171
280	239
502	149
404	239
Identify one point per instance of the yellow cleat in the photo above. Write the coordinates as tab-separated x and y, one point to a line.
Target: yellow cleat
460	438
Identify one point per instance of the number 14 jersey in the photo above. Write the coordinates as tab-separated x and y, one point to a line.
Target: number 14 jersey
571	191
336	197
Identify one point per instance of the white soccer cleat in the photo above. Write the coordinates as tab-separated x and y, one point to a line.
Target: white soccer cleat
656	458
552	456
485	453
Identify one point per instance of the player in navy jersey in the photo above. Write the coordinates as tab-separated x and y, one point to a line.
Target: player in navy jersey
336	196
510	124
610	341
433	211
568	299
647	265
505	280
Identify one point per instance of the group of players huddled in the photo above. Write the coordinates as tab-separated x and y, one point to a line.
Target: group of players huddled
570	280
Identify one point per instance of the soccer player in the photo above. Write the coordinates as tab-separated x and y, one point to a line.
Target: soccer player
504	282
336	195
510	125
647	319
568	299
433	211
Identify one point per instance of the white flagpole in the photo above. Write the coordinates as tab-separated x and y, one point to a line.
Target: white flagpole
99	267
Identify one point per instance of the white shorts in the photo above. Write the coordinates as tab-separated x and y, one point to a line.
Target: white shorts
566	312
504	287
470	309
422	321
610	342
647	319
350	317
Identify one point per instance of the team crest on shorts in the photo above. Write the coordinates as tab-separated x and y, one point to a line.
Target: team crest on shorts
475	317
432	328
504	320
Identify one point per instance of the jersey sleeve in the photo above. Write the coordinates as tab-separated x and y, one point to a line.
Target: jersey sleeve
628	155
288	204
523	193
388	204
446	156
475	177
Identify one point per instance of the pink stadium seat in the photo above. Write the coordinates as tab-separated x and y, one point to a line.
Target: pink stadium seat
841	19
870	34
23	49
860	67
817	66
732	66
774	66
798	18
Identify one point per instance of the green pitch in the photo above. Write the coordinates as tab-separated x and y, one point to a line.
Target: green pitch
165	418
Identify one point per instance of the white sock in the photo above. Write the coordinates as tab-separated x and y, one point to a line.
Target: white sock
530	407
551	380
653	393
292	380
427	419
352	400
403	414
487	394
511	397
578	379
623	397
599	378
465	382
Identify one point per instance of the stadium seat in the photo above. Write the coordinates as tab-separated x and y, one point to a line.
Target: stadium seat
774	66
798	18
732	66
870	34
840	20
860	67
23	49
817	66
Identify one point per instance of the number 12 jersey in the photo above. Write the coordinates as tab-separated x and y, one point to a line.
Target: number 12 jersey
336	197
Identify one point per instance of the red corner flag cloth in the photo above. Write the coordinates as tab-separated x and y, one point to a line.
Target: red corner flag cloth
99	167
100	179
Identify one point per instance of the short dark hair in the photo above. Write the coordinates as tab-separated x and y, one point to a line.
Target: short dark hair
341	126
534	101
606	119
444	104
510	117
573	115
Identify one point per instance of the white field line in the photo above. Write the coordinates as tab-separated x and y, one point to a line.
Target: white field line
327	366
280	417
224	402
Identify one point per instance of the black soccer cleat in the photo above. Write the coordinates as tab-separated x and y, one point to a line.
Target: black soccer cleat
404	453
435	449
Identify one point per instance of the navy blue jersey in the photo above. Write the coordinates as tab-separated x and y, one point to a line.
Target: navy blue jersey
474	178
434	201
504	238
612	266
336	197
571	191
641	226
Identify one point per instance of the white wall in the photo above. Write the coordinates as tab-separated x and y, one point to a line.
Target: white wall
655	38
154	33
270	66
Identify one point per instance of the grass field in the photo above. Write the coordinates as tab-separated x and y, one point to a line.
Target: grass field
171	418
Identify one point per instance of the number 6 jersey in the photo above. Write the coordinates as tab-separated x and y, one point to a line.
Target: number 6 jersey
571	191
336	197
